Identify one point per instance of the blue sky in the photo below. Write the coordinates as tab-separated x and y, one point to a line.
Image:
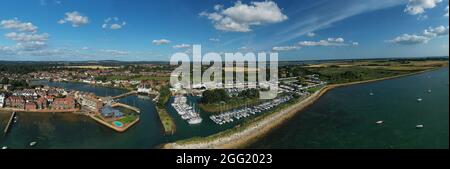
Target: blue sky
153	30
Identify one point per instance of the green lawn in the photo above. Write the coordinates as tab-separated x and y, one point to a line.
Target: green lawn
128	119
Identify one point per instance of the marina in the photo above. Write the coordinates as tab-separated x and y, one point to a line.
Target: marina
187	112
230	116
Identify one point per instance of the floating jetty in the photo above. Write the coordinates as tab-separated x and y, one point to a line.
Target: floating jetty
237	114
126	106
10	122
125	95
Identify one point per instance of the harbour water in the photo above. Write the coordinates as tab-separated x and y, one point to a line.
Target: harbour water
77	131
346	117
343	118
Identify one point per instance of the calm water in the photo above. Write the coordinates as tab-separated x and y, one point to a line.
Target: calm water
345	117
74	131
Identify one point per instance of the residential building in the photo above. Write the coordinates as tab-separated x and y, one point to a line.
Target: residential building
63	103
15	102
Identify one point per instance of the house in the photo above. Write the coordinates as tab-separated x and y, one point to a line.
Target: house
144	89
15	102
108	112
63	103
41	103
91	102
30	106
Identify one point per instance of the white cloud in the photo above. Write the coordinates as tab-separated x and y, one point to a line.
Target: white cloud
26	37
215	39
85	48
355	43
241	17
407	39
438	31
116	26
328	42
18	25
23	37
161	42
114	52
285	48
113	23
427	35
311	34
415	7
446	12
75	18
181	46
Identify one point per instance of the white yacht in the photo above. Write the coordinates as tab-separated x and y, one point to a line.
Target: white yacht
33	144
196	120
419	126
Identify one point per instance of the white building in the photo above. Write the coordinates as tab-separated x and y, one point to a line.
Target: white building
2	100
144	89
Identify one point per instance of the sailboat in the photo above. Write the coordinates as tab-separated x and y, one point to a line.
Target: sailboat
33	143
419	126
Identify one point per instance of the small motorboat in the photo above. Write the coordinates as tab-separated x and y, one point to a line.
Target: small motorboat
380	122
419	126
429	91
33	144
4	147
370	94
419	99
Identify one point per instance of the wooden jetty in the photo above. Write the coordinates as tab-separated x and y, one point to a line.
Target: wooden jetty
10	122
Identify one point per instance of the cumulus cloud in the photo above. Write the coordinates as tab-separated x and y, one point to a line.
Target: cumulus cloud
434	32
113	23
241	17
181	46
18	25
75	18
311	34
328	42
424	37
407	39
161	42
446	12
285	48
415	7
25	35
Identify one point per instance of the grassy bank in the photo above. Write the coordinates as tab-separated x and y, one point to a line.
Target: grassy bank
166	120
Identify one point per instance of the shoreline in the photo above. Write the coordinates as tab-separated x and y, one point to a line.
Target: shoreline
263	126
